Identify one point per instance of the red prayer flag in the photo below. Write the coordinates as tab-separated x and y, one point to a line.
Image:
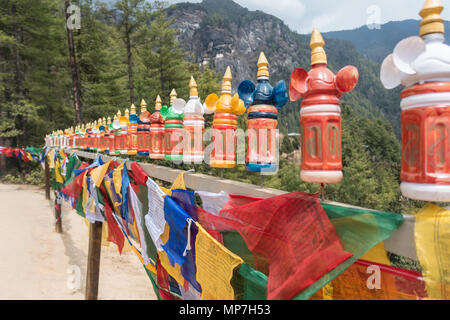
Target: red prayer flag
292	232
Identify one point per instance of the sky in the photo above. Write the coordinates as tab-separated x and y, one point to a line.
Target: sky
332	15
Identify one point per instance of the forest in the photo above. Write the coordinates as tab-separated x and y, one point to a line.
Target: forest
68	62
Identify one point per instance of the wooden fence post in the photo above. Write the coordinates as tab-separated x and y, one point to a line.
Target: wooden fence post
93	263
58	222
47	180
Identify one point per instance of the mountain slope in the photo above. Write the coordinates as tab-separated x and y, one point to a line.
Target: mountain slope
222	33
376	44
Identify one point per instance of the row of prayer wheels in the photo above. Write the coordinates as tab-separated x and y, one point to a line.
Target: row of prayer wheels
421	64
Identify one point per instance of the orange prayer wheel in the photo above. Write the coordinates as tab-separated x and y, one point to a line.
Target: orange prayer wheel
320	114
223	154
224	126
157	132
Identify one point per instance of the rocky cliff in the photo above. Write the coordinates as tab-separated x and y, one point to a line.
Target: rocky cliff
222	33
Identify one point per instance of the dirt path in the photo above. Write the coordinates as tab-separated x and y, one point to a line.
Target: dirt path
37	263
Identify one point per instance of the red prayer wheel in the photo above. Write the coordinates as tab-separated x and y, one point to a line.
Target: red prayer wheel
157	137
320	114
425	139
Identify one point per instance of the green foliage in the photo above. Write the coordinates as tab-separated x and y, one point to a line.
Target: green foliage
35	79
19	172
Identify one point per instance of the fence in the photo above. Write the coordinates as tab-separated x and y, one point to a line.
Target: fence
400	243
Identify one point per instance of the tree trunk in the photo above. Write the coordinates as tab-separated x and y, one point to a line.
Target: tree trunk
18	78
76	81
129	62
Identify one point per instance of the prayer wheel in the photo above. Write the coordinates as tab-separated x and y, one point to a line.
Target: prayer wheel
320	114
262	102
194	126
422	66
132	132
157	132
226	108
173	132
144	138
123	139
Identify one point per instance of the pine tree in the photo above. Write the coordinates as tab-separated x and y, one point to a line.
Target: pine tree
165	64
32	83
102	69
131	16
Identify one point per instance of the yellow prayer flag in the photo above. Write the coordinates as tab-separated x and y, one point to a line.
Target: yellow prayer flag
98	173
177	184
214	277
58	176
377	254
117	179
51	159
432	237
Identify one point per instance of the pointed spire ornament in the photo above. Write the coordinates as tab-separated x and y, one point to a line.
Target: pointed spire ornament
193	92
173	96
226	84
317	44
158	103
143	106
432	21
263	67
